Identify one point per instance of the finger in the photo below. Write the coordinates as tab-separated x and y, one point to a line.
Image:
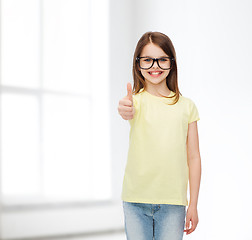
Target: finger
129	91
190	230
126	109
193	226
125	102
187	224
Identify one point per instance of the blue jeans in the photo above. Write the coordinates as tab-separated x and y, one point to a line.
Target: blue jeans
144	221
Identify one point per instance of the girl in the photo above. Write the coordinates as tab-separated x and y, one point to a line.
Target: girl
163	147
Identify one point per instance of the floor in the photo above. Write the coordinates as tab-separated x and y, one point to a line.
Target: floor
108	236
116	236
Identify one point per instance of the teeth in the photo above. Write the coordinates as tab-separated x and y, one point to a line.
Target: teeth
155	73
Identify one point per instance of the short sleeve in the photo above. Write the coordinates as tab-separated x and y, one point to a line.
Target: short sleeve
136	106
193	112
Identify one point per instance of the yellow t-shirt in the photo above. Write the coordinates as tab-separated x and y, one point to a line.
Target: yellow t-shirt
157	171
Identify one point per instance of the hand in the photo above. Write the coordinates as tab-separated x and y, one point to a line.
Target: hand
125	107
191	215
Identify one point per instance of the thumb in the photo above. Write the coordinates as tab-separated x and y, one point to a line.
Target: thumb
187	223
129	91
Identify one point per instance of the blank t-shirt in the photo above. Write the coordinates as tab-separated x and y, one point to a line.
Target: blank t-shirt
157	170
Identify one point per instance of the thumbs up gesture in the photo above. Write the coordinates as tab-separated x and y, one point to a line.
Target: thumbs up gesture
125	107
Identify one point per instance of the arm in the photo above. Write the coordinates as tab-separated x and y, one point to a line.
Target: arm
194	163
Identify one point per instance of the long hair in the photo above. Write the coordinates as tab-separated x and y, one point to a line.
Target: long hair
166	45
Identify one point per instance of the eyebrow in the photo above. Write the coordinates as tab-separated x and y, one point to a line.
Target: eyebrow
158	57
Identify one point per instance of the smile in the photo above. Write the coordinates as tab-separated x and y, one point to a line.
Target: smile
155	74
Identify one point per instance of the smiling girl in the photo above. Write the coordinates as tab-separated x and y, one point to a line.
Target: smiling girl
163	146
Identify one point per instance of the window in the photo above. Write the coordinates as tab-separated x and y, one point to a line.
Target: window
54	121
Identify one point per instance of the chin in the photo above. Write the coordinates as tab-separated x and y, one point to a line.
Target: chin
155	81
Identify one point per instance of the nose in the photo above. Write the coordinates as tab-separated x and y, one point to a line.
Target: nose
155	64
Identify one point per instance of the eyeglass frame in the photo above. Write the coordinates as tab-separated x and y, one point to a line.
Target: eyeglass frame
153	61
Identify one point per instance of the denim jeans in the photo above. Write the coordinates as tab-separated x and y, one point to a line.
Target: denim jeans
144	221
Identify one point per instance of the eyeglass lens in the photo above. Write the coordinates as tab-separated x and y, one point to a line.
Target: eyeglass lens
146	63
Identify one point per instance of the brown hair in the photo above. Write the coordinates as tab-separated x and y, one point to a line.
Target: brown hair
166	45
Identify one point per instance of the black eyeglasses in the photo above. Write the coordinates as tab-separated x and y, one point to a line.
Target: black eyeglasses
164	63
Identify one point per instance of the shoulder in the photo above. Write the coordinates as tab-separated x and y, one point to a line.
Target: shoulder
188	104
187	101
137	96
191	109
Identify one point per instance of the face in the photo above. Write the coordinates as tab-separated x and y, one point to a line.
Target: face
154	51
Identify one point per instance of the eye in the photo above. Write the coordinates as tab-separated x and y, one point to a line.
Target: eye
163	59
147	59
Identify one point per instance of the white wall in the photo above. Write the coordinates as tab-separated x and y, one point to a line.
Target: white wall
121	51
213	44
